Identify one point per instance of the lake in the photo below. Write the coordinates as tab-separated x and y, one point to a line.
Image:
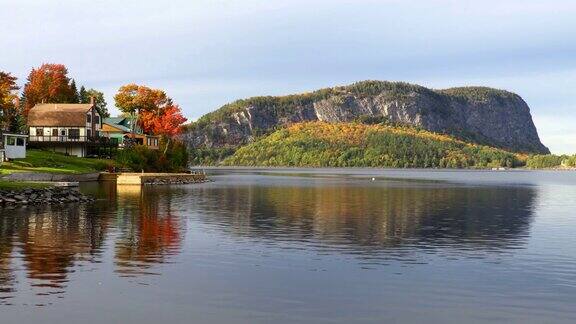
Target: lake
300	246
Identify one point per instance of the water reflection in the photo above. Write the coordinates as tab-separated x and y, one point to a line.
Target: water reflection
51	243
144	227
367	218
151	232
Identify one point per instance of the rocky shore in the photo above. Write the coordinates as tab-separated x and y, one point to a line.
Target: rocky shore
52	195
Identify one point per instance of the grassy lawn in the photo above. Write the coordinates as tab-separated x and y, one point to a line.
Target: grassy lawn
51	162
20	185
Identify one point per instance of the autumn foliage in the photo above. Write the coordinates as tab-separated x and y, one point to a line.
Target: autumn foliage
8	95
155	111
319	144
49	83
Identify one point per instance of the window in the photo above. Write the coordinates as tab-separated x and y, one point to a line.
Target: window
73	133
39	131
54	131
11	141
89	132
63	132
88	118
19	141
97	119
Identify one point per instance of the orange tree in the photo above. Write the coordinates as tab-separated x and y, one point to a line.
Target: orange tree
49	83
8	94
151	109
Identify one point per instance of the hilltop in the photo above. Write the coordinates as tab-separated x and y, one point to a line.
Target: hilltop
479	115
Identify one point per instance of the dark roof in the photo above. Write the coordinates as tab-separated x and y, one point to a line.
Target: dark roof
58	115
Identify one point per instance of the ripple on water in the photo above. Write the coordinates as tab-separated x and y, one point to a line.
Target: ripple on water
328	247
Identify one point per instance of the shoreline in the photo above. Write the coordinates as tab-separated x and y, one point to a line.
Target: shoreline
213	167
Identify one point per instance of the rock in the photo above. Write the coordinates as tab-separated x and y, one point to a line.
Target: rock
487	116
42	196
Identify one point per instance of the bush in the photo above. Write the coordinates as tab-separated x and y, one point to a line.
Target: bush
140	158
103	165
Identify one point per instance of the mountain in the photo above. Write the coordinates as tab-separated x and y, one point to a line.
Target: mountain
481	115
322	144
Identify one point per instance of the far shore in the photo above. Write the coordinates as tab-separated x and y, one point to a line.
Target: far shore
212	167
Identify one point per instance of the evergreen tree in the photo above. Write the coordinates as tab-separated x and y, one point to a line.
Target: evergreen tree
74	96
83	95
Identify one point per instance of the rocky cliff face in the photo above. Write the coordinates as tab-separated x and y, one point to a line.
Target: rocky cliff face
482	115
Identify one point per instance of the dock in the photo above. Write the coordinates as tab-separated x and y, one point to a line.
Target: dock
153	178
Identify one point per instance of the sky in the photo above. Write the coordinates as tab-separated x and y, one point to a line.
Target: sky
205	53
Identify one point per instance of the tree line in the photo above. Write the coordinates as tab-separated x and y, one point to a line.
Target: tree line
551	161
48	83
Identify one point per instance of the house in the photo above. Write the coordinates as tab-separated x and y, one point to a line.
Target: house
120	128
73	129
12	146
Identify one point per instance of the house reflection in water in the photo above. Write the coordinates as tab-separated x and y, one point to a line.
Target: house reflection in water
52	242
42	247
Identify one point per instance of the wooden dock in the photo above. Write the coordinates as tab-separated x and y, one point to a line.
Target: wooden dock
153	178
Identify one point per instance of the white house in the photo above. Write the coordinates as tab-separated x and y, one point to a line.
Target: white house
72	129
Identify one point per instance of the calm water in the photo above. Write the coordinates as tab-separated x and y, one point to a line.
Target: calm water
300	246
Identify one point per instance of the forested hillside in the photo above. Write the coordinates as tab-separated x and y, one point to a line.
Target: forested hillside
321	144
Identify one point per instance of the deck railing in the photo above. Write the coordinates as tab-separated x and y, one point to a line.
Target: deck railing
72	139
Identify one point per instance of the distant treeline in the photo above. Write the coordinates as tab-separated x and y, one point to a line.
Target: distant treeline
551	161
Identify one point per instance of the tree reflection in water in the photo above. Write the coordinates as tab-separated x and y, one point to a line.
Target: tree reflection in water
49	241
368	219
376	223
151	231
52	242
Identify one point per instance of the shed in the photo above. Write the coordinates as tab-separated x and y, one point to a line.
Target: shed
14	146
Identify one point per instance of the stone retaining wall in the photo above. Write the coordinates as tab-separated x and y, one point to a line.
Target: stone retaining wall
157	178
174	179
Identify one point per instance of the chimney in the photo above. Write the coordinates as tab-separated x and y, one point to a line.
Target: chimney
17	102
43	100
92	100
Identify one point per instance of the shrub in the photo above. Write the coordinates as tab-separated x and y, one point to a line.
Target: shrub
140	158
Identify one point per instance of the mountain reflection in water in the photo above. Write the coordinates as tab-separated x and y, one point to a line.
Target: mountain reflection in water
377	223
371	220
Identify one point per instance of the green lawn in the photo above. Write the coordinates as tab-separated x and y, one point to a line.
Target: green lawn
51	162
20	185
